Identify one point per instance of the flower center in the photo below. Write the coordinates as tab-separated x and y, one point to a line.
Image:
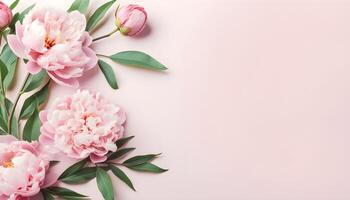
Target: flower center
49	42
8	164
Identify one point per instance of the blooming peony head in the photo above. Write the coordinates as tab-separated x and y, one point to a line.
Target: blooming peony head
131	19
56	41
5	16
22	170
82	125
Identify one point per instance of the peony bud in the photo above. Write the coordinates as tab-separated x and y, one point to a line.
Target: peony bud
5	16
131	19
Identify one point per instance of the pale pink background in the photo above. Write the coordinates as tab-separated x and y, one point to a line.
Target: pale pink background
255	106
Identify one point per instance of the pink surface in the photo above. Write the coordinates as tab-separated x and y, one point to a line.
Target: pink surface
255	106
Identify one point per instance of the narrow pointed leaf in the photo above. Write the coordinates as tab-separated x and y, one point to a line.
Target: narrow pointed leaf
121	142
119	153
26	11
148	167
8	105
31	130
80	5
122	176
5	107
14	127
10	60
104	184
74	168
137	59
81	176
3	72
47	196
137	160
18	17
37	99
2	132
35	81
64	193
108	73
14	4
3	115
98	15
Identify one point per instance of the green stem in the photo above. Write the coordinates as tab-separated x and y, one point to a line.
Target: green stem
101	55
107	35
16	102
0	37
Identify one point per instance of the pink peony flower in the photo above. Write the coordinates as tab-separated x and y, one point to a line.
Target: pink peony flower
56	41
5	16
82	125
22	169
131	19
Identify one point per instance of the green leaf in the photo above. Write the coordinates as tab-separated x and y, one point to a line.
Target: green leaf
31	130
14	127
10	60
5	34
64	193
119	153
74	168
35	81
98	15
25	12
108	73
2	132
8	105
137	160
14	4
47	196
121	142
3	116
33	101
3	70
19	17
81	176
3	126
80	5
148	167
122	176
137	59
3	73
12	25
104	184
5	107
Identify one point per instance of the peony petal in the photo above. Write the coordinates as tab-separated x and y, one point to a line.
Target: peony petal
34	36
86	39
64	82
97	159
50	178
93	58
43	116
16	46
33	67
7	139
19	30
136	22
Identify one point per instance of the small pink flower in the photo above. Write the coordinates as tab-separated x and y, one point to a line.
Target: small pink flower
56	41
5	16
23	170
82	125
131	19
